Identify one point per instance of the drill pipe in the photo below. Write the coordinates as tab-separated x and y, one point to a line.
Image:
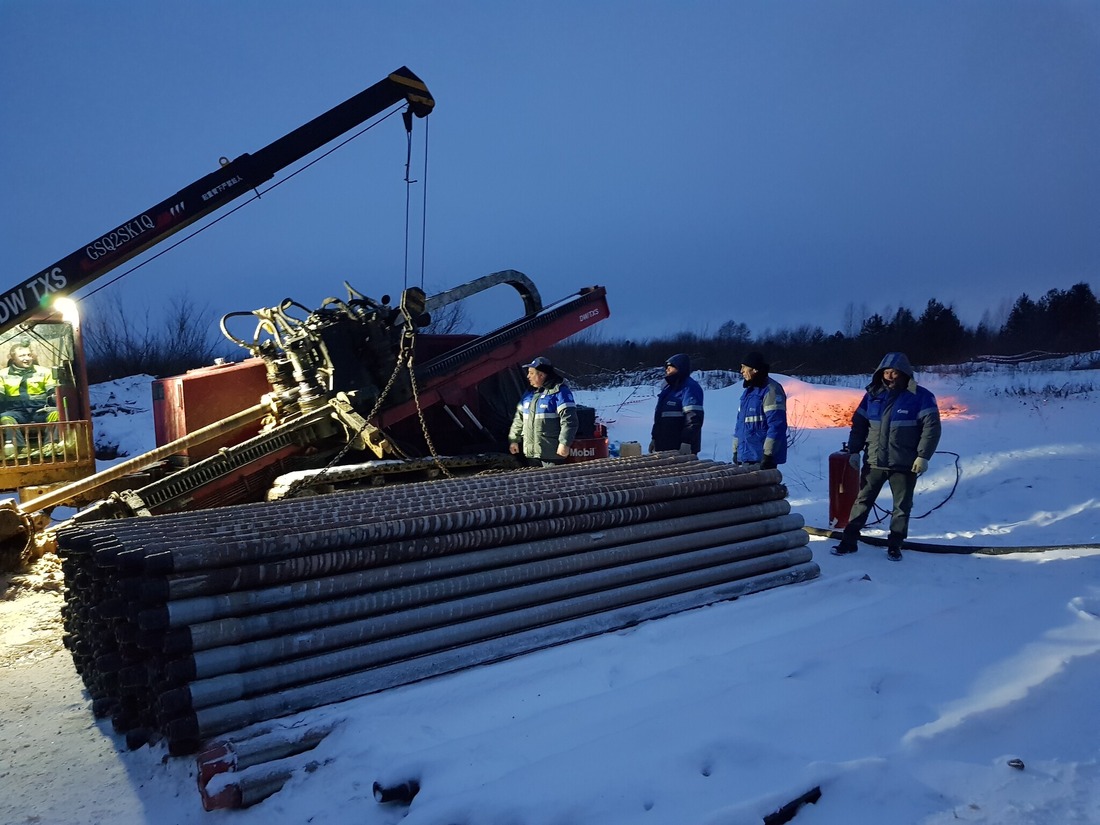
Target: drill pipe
205	552
186	731
495	614
283	635
181	531
417	563
167	532
491	556
161	589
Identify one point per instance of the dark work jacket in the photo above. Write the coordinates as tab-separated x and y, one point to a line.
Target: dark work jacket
678	418
895	426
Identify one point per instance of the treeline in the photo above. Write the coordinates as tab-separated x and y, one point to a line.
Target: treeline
119	342
1062	321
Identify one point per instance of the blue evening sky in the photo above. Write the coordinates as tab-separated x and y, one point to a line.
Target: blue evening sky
773	163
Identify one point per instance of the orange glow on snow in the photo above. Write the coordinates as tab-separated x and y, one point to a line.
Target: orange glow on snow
816	407
950	408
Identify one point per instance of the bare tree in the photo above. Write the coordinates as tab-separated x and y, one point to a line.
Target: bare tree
449	320
120	341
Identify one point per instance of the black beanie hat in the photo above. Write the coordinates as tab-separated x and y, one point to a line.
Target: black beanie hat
756	361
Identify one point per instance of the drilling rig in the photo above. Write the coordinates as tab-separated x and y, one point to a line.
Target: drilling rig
353	376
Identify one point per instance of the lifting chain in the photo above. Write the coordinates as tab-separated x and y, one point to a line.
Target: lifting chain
405	358
416	398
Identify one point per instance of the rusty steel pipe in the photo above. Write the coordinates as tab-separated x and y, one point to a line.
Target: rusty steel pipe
211	551
424	497
333	562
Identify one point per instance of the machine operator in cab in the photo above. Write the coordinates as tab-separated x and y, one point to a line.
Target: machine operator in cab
28	395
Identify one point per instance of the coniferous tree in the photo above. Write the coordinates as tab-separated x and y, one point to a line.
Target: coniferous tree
1072	319
940	332
1019	330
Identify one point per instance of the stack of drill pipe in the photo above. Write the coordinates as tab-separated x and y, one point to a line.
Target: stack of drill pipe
191	625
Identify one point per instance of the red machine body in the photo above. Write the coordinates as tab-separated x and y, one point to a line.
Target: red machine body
185	403
844	481
589	448
468	386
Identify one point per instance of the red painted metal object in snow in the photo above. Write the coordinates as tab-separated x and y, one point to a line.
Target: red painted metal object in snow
844	481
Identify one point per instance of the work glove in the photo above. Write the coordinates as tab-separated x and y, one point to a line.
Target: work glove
919	465
855	459
735	449
768	463
652	446
685	449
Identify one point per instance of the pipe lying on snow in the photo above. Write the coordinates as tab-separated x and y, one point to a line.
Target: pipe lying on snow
162	589
192	625
190	612
211	721
243	641
366	643
246	534
234	755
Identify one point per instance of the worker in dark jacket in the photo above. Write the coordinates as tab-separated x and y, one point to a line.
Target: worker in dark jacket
898	423
678	419
760	435
546	420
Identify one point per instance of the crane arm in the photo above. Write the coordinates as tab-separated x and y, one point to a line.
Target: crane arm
206	195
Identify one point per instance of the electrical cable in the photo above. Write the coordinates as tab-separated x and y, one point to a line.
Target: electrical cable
947	549
883	513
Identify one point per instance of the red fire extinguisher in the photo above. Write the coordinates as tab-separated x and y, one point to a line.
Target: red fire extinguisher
844	480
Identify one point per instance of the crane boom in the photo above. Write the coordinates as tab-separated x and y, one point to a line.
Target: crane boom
206	195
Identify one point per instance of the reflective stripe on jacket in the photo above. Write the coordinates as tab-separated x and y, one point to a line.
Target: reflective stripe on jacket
896	427
545	418
678	418
762	415
28	388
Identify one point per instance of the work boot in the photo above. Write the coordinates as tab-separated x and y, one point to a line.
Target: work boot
9	450
844	549
893	553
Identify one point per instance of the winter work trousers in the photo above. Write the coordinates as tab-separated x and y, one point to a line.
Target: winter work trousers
12	417
902	484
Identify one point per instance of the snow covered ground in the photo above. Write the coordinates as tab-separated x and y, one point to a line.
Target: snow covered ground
902	691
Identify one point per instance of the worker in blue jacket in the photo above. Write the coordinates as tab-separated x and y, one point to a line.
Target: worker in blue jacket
760	435
898	423
546	420
678	419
